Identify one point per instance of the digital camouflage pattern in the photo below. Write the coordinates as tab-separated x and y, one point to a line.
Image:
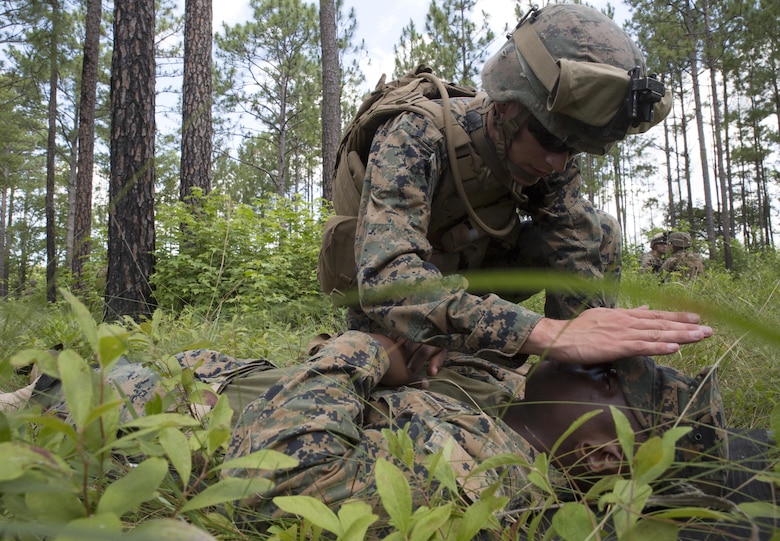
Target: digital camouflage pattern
686	264
329	415
401	260
661	397
650	262
584	59
137	384
683	261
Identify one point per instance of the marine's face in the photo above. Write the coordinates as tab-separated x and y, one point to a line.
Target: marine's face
533	153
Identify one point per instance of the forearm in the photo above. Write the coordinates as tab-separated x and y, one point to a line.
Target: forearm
399	290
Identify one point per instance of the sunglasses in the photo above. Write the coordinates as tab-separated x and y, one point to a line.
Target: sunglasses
548	141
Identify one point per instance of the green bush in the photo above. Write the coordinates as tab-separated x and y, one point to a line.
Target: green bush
218	256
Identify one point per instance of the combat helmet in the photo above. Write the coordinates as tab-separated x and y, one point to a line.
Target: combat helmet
661	397
579	74
658	238
680	239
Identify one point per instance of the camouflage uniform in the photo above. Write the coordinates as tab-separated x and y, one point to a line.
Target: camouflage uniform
405	174
653	260
687	264
650	262
398	250
683	261
329	415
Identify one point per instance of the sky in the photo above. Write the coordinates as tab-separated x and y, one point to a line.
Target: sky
380	27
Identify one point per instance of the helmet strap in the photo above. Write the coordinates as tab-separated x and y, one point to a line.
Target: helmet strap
506	131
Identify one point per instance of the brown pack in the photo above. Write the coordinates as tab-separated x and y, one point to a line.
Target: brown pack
414	92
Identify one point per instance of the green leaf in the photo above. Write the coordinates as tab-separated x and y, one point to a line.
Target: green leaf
83	319
760	509
656	455
630	498
177	447
625	432
393	489
100	526
17	458
697	512
219	429
138	486
310	509
44	359
57	507
355	519
265	459
574	522
162	420
441	468
112	344
539	475
428	523
228	490
479	515
76	378
651	529
166	529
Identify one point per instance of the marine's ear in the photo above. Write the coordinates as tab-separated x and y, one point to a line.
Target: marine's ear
600	458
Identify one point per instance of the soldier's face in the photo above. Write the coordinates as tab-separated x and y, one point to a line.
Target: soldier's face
534	150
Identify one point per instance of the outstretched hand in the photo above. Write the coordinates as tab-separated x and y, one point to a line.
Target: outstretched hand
606	334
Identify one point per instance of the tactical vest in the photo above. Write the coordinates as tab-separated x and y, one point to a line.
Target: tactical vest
468	187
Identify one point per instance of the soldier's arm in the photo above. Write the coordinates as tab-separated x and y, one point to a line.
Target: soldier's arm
399	290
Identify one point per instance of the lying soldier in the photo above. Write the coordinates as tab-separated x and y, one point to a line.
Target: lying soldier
329	413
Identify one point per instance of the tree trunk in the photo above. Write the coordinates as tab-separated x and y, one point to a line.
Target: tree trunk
131	183
3	244
669	178
196	130
699	107
51	153
82	215
72	181
331	99
725	211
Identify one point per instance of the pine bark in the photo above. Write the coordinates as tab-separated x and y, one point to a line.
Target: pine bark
82	224
131	237
197	130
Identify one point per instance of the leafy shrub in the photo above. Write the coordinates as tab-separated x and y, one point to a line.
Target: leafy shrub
216	255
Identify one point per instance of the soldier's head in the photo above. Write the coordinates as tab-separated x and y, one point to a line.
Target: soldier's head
573	80
680	240
658	242
654	398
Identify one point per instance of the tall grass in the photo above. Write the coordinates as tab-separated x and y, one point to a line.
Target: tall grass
743	311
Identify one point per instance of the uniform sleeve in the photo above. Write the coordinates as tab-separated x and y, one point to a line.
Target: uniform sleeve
572	237
399	290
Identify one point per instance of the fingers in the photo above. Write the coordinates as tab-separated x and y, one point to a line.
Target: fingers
604	334
643	312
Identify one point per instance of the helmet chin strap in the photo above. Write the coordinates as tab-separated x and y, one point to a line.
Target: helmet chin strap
506	131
